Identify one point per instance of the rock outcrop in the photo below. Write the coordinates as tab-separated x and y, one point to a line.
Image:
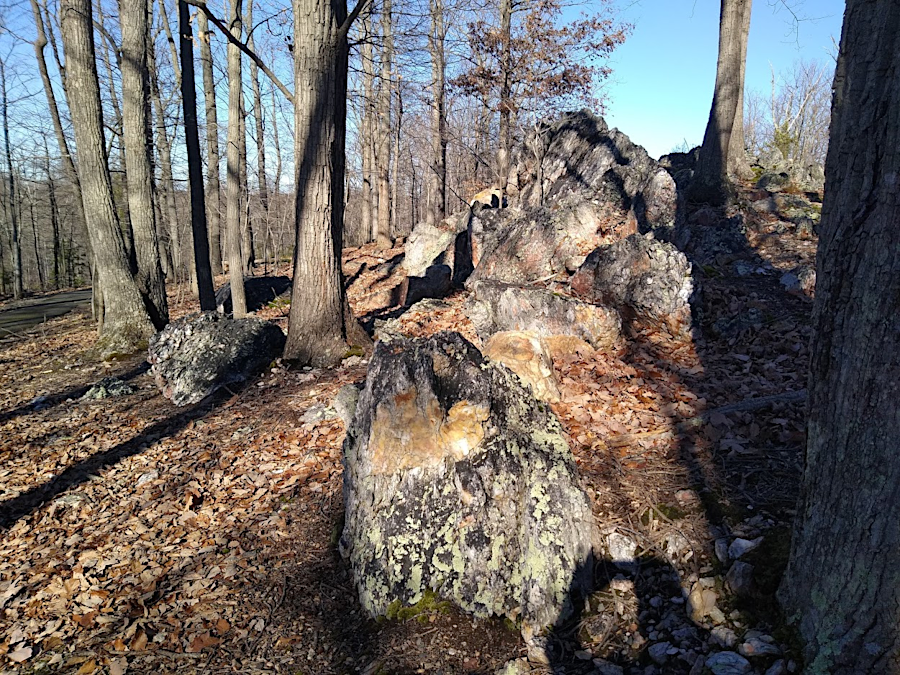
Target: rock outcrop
194	356
446	243
457	481
643	278
495	307
578	158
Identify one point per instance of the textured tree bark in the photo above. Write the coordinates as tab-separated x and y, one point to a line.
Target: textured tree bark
199	235
722	153
317	330
15	243
437	183
842	585
247	244
125	324
233	176
134	20
367	126
54	216
383	153
212	146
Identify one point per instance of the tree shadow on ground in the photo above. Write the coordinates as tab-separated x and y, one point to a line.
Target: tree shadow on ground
24	504
42	403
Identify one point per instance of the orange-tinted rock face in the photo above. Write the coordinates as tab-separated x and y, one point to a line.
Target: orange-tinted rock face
408	433
527	356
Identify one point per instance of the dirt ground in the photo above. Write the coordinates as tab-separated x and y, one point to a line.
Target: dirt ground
139	537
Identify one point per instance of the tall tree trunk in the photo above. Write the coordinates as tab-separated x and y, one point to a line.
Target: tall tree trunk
367	127
69	165
317	329
134	19
437	176
259	123
722	153
506	102
395	184
233	175
37	248
125	324
247	243
278	247
54	216
15	243
842	585
213	198
383	155
164	155
199	235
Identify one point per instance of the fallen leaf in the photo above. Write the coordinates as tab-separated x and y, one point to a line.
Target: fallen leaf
202	641
118	666
87	668
20	655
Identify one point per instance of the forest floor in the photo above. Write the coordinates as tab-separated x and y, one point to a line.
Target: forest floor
143	538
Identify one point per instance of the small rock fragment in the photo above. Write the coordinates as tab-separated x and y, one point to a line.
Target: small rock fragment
740	578
728	663
741	546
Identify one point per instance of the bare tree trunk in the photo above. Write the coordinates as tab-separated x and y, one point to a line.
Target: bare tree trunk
16	245
134	19
278	247
506	102
247	243
383	155
37	248
233	175
437	183
395	184
125	325
212	146
367	127
54	216
842	584
164	155
722	153
199	235
259	123
317	331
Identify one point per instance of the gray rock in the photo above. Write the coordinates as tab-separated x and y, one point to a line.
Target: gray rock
724	637
495	307
740	578
777	668
659	652
578	156
728	663
722	549
108	387
641	277
514	667
773	182
345	401
446	243
604	667
450	469
194	356
741	546
756	644
317	413
621	550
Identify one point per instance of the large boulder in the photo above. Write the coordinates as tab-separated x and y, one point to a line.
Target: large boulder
577	157
457	481
495	306
645	279
194	356
537	243
445	243
528	356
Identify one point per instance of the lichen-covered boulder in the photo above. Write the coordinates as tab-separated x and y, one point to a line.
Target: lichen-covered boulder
194	356
495	306
458	481
258	292
646	279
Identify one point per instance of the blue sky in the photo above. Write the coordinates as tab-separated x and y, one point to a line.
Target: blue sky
663	78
